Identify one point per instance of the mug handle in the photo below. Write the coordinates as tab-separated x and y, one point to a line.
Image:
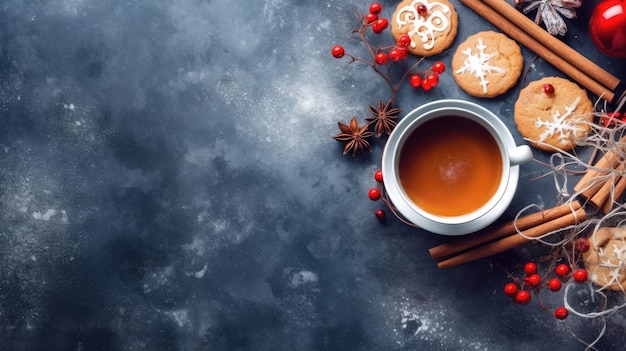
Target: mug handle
520	154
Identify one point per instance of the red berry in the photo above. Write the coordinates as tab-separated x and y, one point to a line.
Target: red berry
555	284
582	245
380	25
378	176
522	297
395	54
561	313
561	270
404	40
533	280
422	10
381	58
376	8
580	275
510	289
530	268
403	52
433	79
415	80
548	89
374	194
370	17
425	85
612	117
380	214
439	67
607	120
338	51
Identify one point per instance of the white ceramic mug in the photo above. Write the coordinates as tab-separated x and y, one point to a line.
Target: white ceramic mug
512	156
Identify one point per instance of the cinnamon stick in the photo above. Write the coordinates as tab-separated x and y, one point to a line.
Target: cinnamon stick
563	50
586	185
501	20
514	240
492	233
603	194
620	186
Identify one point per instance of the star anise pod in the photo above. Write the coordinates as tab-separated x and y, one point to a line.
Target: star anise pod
384	118
355	137
548	12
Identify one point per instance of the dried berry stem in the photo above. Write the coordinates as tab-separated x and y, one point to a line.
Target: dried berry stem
385	75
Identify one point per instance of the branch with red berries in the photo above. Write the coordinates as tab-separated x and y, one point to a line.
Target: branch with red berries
382	60
521	290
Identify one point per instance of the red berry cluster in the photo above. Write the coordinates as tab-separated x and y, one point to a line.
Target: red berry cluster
520	291
427	79
387	55
378	24
374	194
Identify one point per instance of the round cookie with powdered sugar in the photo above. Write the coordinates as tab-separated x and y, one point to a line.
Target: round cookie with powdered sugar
431	24
487	64
552	113
605	258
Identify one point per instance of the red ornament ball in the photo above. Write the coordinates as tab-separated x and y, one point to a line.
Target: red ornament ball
607	27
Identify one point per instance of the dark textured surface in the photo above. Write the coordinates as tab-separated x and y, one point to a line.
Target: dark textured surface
168	181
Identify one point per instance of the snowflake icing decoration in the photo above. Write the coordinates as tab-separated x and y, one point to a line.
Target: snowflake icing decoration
478	64
558	124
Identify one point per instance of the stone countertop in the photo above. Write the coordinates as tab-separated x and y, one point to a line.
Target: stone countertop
169	181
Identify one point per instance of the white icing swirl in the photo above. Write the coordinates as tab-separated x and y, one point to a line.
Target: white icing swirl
425	27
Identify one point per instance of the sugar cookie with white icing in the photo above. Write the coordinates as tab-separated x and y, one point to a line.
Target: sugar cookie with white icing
553	118
487	64
431	24
605	260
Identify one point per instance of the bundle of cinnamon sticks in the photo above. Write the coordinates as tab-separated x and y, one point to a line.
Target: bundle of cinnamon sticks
502	237
604	183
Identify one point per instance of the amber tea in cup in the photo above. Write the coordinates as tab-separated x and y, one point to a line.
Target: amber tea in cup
450	166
